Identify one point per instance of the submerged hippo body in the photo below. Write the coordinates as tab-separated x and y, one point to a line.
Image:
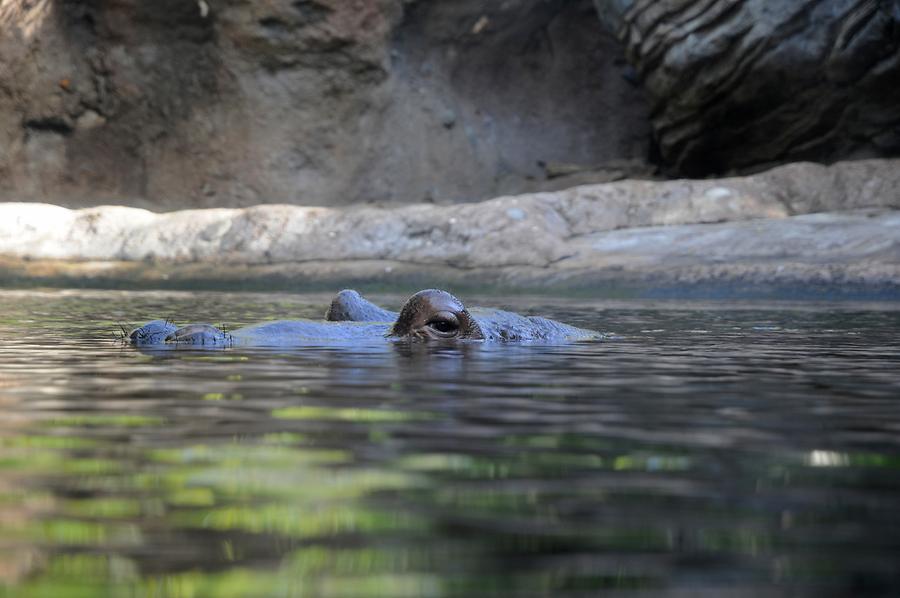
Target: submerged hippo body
283	333
499	325
493	324
427	315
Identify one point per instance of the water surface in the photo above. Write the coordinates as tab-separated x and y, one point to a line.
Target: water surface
702	450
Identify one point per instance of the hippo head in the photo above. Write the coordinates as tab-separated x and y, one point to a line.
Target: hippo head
435	315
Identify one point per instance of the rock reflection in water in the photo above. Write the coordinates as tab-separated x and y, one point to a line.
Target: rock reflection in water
708	451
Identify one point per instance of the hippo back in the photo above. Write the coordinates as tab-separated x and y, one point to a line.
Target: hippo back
300	332
499	325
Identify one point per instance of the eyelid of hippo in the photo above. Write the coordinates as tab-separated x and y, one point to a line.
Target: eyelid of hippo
435	315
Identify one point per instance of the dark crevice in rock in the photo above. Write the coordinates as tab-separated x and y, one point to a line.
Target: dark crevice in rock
716	18
857	19
49	125
742	57
311	12
700	12
275	24
710	16
642	8
686	129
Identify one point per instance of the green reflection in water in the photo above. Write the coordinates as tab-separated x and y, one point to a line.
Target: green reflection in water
284	438
36	463
102	508
234	583
72	532
299	521
46	442
545	463
102	419
348	414
274	485
873	460
235	455
191	497
310	572
79	576
293	492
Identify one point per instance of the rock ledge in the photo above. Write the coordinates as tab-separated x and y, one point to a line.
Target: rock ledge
794	224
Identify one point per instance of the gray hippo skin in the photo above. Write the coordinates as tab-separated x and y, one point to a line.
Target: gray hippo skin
350	306
428	315
483	323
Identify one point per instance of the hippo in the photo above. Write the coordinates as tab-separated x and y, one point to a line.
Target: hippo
492	324
432	315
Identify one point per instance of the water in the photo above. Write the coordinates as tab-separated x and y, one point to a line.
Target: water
705	450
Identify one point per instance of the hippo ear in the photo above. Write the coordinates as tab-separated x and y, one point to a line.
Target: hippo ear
404	323
350	306
340	308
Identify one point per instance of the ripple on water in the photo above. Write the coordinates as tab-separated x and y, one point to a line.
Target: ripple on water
701	449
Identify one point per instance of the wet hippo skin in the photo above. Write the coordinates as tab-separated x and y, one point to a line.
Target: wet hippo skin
431	314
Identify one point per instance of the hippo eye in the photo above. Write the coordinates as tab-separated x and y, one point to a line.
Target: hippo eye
444	324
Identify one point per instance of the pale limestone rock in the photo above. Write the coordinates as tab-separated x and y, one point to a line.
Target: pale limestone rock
89	120
801	213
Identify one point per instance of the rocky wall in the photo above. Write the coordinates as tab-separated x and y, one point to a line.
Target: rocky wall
744	84
200	103
228	103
